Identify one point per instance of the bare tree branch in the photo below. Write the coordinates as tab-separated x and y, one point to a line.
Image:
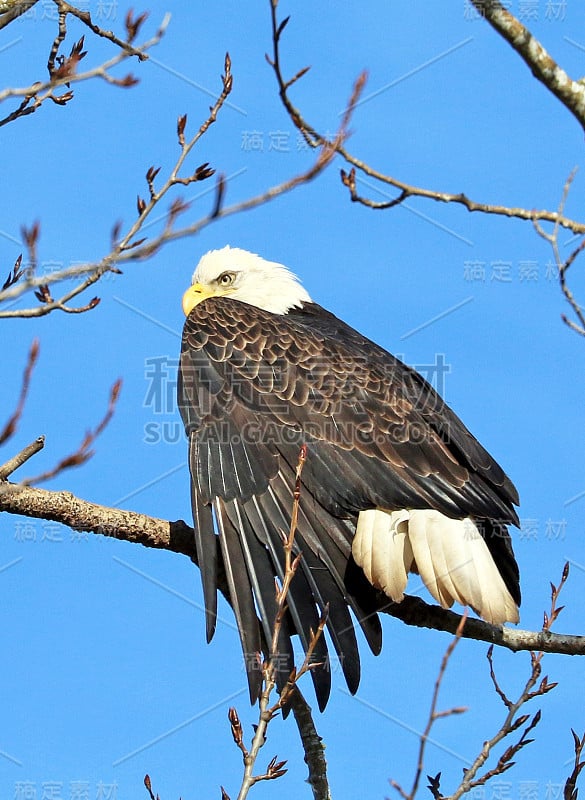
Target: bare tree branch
577	308
130	249
12	9
416	612
570	791
21	458
534	687
563	264
434	715
12	424
81	515
513	722
544	68
268	711
63	70
312	745
315	139
132	24
571	93
407	190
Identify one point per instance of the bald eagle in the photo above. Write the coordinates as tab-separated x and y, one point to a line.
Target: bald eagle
394	483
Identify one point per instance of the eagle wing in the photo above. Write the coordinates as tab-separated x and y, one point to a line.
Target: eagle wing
254	387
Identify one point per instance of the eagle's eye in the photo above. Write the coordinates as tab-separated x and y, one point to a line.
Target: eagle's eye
226	279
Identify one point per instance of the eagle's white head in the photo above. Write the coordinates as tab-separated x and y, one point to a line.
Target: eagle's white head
243	276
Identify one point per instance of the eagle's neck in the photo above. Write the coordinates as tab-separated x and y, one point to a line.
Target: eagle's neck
293	299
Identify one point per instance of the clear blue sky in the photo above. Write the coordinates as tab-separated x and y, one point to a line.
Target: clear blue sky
105	673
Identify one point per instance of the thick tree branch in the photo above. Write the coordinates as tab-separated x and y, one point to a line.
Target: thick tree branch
414	611
544	68
313	746
12	9
81	515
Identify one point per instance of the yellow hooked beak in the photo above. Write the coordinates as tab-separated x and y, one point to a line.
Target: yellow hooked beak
194	295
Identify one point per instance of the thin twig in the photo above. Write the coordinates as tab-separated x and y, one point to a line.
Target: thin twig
21	458
499	691
266	711
12	424
128	248
36	94
570	791
434	715
512	722
85	17
563	265
289	693
577	308
315	140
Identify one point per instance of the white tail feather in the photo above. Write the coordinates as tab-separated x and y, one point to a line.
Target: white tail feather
382	549
450	555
